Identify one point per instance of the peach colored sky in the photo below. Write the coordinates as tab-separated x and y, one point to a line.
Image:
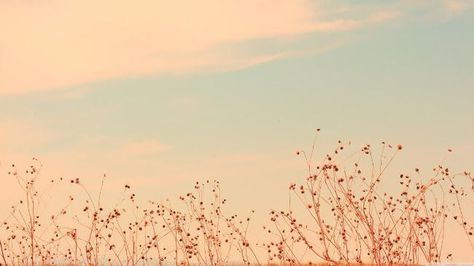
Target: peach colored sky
162	93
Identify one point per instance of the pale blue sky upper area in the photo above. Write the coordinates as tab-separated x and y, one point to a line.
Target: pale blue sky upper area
416	77
404	82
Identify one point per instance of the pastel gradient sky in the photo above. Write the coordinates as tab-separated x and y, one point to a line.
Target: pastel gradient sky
162	93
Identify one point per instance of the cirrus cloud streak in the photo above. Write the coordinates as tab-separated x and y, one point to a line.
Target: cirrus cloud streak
53	44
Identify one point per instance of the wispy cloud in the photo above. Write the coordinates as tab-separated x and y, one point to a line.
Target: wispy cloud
458	5
53	44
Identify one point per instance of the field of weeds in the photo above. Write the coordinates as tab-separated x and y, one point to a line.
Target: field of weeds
336	215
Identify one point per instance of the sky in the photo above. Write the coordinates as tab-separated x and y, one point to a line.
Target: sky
160	94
